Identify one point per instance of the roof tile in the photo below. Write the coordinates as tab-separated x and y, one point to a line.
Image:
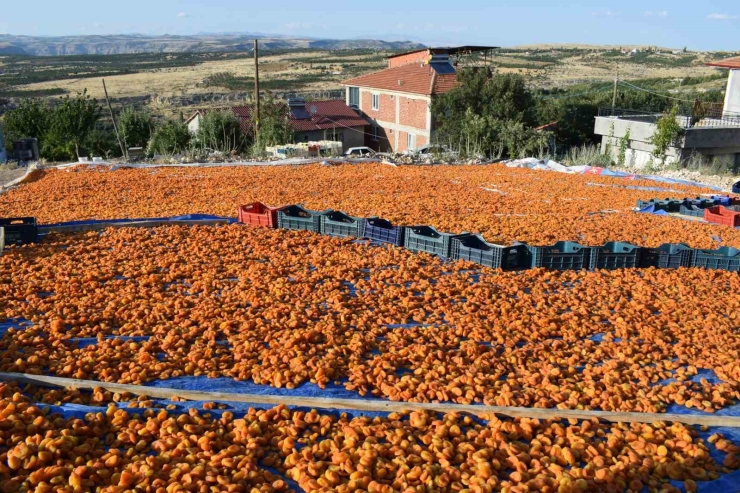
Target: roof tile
414	78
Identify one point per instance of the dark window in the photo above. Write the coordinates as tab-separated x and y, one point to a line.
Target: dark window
354	95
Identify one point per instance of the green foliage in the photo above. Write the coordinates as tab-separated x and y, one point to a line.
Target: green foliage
624	143
73	119
135	128
486	116
221	131
169	138
587	155
609	148
29	120
31	93
102	142
667	133
274	126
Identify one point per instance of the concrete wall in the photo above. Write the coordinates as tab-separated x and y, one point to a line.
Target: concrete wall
732	96
721	143
194	124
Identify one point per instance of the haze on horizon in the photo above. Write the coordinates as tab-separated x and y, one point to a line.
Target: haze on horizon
709	25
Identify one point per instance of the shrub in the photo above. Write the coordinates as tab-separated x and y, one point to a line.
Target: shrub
169	138
135	128
221	131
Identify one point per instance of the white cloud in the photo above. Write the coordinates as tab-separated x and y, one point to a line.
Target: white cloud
608	13
721	17
400	26
658	13
182	15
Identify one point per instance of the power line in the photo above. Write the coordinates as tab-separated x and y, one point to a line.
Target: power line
655	93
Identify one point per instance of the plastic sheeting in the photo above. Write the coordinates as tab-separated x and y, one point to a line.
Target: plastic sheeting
187	217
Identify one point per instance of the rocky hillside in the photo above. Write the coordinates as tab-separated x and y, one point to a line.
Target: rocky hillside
118	44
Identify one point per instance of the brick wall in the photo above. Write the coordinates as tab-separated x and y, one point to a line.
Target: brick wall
413	113
387	112
416	57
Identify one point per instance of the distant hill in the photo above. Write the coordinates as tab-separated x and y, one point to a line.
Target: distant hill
135	43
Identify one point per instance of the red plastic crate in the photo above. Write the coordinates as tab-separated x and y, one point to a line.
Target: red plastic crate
258	214
722	215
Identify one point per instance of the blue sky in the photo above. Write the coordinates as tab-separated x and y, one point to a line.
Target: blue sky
700	25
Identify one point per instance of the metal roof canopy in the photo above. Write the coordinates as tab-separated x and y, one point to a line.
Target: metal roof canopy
451	50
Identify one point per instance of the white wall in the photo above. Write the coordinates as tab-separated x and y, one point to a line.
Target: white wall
732	96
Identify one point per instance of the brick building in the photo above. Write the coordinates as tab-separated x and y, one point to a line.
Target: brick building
397	101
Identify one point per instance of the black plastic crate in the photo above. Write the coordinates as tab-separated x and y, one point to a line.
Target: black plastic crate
725	258
381	230
667	256
427	239
615	255
19	230
299	218
691	210
337	223
474	248
563	255
668	205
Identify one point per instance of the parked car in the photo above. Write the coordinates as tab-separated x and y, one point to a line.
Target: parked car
432	150
359	152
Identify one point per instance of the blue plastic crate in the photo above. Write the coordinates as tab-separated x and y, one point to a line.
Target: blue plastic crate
725	258
667	256
337	223
20	230
563	255
722	200
616	255
381	230
691	210
474	248
427	239
299	218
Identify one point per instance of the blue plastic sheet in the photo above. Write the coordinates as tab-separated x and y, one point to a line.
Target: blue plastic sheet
187	217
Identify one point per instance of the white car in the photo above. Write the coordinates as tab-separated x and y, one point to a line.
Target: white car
359	152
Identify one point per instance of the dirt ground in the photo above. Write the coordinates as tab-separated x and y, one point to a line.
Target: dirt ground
9	172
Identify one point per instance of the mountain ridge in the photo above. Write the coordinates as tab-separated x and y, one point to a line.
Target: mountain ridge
168	43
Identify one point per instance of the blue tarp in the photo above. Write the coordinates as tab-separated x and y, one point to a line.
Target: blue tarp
187	217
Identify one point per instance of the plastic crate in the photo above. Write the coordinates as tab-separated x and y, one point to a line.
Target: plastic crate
725	258
381	230
668	205
722	199
474	248
258	214
337	223
298	218
427	239
20	230
667	256
563	255
721	215
615	255
691	210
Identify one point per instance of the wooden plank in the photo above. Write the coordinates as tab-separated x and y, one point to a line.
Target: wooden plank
75	228
373	405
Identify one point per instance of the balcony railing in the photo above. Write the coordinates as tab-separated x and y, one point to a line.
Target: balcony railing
701	118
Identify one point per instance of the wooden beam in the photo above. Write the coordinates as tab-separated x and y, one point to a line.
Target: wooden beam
373	405
74	228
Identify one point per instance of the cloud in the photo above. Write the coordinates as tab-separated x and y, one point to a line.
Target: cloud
182	15
658	13
298	25
400	26
608	13
721	17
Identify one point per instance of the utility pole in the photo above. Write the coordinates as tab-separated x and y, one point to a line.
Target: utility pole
256	90
115	127
614	99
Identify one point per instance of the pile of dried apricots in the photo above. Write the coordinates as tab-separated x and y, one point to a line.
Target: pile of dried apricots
114	450
504	204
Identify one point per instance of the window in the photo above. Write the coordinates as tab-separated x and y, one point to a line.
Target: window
354	96
375	132
376	102
411	142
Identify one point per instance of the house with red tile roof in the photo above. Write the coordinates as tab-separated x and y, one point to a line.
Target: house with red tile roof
397	101
310	121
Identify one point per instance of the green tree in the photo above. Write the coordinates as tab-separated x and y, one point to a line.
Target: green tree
169	138
667	133
221	131
73	120
29	120
135	128
274	126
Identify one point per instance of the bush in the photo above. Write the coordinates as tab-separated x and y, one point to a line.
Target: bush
30	120
169	138
221	131
72	121
135	128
